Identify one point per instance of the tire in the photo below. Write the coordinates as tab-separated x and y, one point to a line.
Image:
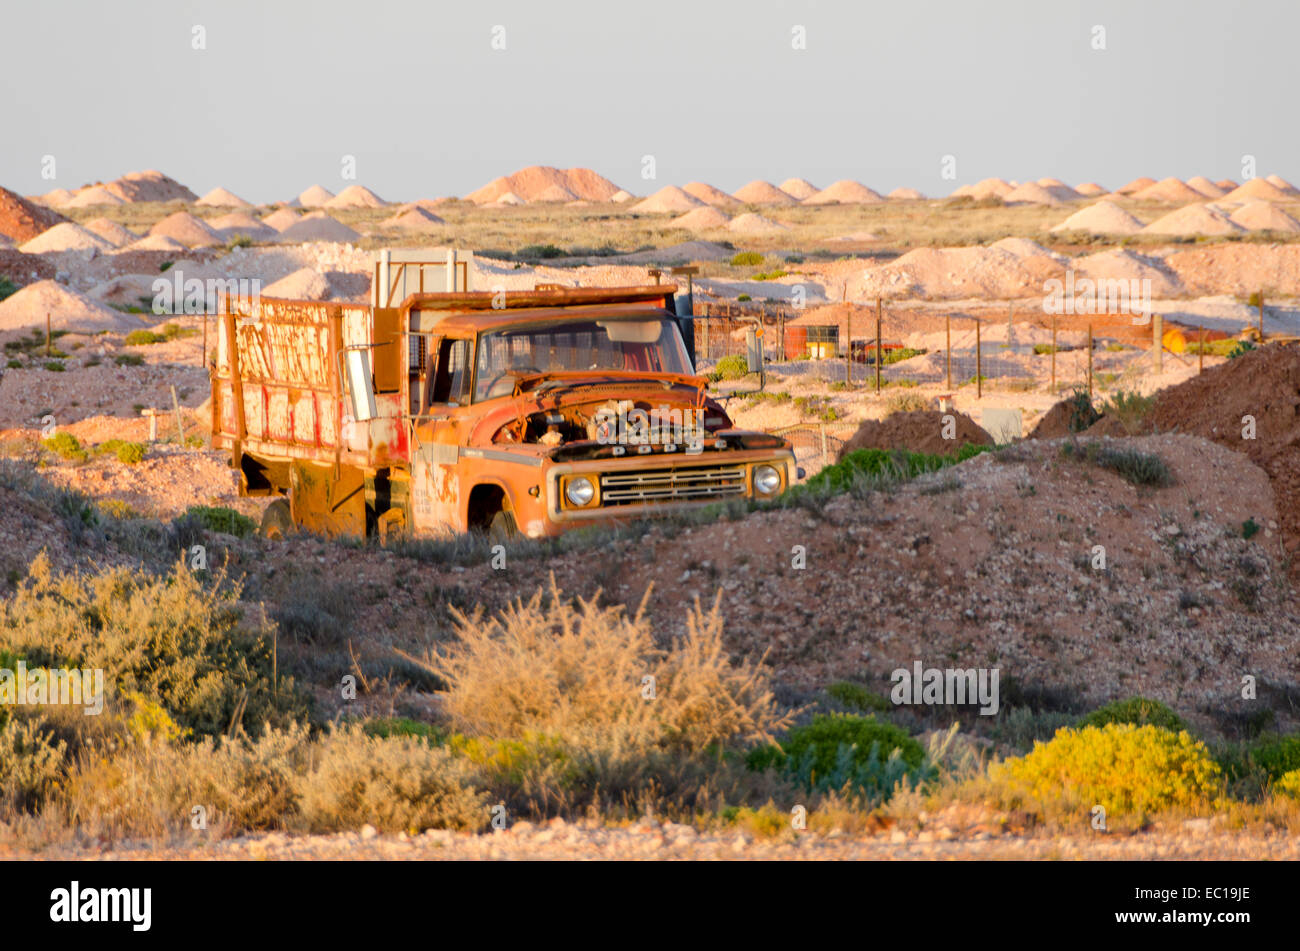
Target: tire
277	520
502	528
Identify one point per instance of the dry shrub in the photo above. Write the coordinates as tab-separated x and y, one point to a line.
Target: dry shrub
31	761
554	699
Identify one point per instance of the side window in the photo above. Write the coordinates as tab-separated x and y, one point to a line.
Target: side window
451	382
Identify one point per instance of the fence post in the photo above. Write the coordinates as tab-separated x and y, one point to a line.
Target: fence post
1200	368
1261	315
947	323
822	427
1090	361
979	364
1157	341
848	346
1053	354
880	353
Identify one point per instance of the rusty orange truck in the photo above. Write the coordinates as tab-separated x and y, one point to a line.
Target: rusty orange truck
529	411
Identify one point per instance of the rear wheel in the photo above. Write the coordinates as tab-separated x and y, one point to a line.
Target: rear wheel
277	520
502	528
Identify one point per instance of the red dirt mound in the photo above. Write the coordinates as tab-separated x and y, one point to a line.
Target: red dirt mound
23	269
1057	421
1264	384
918	431
21	220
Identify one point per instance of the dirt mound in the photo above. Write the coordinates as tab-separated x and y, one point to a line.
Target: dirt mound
1226	184
1257	188
1263	384
709	195
1030	193
155	242
1283	184
1264	216
1193	219
95	196
21	220
1135	186
844	192
621	196
1203	186
917	431
1105	217
905	194
149	185
528	183
668	198
222	198
112	232
751	223
1125	265
509	198
356	196
416	219
1059	189
798	188
317	226
314	197
56	198
554	193
1169	189
281	219
702	219
23	269
188	230
1090	190
1239	268
242	223
759	192
958	273
67	310
303	284
990	188
65	237
1058	421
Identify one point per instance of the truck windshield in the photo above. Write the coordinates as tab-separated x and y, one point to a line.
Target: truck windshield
650	345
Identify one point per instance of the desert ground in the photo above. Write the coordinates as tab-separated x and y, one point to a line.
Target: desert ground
108	480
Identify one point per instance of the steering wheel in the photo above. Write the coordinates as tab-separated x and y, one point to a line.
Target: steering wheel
513	371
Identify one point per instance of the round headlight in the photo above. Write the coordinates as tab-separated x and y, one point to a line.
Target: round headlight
579	490
766	480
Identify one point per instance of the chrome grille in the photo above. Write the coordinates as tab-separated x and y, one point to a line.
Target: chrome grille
671	485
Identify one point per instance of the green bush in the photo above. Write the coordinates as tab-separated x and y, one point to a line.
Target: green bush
1082	413
857	697
129	453
1131	409
1276	754
140	338
837	752
1137	711
7	288
1126	769
1239	348
733	367
129	360
1288	784
746	259
885	465
65	445
219	518
1132	465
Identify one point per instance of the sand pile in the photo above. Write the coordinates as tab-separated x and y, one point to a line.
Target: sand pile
303	284
702	219
509	198
222	198
111	231
1059	189
759	192
242	223
1240	269
1121	264
94	197
1264	384
416	219
958	273
155	242
1030	193
1257	188
1193	219
1024	248
621	196
905	194
919	431
356	196
1105	217
751	223
1282	183
67	310
844	192
798	188
66	237
528	183
56	198
1090	190
1171	189
1264	216
149	185
21	220
709	195
317	226
1135	186
188	230
314	197
986	188
430	205
281	219
1203	186
1226	184
555	193
668	198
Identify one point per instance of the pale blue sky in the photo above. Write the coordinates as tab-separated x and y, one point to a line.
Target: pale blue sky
713	90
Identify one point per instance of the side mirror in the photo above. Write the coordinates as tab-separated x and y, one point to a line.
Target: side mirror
753	351
361	388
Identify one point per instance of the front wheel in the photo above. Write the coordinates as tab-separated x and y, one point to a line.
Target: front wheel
502	528
277	520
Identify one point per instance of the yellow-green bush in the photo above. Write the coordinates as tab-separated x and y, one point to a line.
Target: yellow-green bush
1125	768
1288	784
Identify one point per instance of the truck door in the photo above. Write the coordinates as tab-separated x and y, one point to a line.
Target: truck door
436	499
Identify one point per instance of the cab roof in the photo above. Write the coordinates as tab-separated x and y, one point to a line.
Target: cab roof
473	312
